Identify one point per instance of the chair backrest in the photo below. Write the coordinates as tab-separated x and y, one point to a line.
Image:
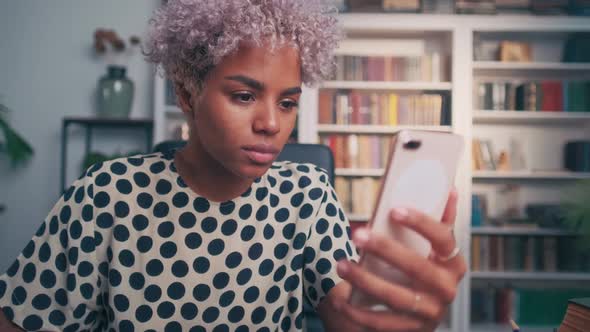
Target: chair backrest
317	154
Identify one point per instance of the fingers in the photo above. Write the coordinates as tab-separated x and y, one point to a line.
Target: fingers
440	235
380	321
415	267
450	213
394	296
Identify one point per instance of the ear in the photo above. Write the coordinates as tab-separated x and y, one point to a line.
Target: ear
183	97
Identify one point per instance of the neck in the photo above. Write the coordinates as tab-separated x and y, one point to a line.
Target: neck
206	176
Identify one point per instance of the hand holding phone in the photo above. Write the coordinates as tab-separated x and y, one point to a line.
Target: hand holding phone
419	175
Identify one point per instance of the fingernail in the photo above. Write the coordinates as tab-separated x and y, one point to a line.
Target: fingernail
399	214
342	267
361	236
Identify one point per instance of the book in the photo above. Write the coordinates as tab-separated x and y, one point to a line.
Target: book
428	67
577	316
578	96
552	99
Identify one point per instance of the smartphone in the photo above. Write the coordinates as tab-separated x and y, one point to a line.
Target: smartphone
419	174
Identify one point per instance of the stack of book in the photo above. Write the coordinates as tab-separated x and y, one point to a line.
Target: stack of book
358	151
357	195
513	253
549	96
426	68
577	316
359	107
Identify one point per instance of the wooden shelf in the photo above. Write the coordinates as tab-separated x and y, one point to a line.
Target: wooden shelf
542	276
529	175
527	117
373	172
375	85
375	129
498	65
526	231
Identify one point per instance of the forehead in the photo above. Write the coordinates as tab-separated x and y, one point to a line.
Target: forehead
263	63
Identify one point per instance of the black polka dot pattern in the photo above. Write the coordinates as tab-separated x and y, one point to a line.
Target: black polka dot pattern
131	247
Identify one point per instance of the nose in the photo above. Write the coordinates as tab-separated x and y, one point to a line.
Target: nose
266	120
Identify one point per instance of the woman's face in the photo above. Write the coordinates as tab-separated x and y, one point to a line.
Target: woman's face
247	109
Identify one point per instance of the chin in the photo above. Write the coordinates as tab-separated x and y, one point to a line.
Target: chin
253	171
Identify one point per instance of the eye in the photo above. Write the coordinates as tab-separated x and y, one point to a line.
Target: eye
289	104
243	97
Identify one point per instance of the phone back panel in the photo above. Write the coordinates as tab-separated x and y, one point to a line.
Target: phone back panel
419	178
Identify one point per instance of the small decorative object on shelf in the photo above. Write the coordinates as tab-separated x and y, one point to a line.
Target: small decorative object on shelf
115	93
511	51
115	89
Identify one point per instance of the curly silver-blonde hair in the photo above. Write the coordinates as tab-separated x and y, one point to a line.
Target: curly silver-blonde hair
188	38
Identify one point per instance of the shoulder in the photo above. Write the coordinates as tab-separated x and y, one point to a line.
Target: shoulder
301	174
152	163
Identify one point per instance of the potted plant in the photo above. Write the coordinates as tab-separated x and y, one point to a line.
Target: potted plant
12	144
577	211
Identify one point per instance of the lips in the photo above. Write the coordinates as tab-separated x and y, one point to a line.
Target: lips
261	153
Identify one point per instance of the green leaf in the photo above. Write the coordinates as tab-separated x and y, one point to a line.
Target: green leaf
17	149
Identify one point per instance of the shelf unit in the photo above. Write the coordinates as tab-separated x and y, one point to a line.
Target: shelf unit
457	33
541	136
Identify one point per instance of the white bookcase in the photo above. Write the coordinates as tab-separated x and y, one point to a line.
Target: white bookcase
542	133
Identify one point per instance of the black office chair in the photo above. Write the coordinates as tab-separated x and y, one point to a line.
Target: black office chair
317	154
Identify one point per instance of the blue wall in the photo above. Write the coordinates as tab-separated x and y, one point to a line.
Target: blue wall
48	70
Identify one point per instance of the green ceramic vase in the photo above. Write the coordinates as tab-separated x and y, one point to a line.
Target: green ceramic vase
115	93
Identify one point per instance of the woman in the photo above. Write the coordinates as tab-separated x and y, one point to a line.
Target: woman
217	236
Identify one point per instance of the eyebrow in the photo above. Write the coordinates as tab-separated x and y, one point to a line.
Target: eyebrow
254	84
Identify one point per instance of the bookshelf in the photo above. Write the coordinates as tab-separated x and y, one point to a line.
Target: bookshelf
458	36
516	260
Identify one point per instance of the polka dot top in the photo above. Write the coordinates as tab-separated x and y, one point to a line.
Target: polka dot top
129	247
